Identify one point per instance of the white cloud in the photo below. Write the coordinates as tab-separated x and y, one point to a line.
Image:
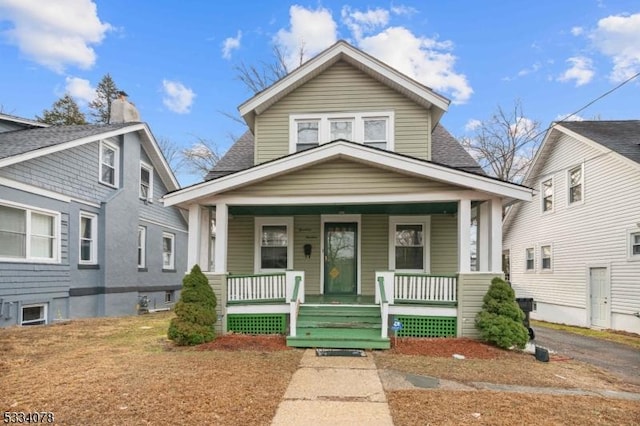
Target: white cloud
581	71
534	68
425	59
472	125
80	89
177	97
523	126
360	23
568	117
619	38
403	10
55	34
576	31
310	30
230	44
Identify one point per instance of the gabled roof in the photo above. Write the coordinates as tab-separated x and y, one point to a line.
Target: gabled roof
22	145
342	50
354	152
22	121
445	150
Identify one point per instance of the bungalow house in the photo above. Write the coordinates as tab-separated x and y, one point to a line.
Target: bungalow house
346	206
82	231
576	249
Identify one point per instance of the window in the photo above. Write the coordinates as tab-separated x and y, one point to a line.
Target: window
88	238
547	195
545	254
28	234
529	259
168	251
109	163
34	314
409	243
169	296
142	247
274	244
146	181
634	245
575	185
371	128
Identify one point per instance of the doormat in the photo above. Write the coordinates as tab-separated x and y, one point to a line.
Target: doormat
340	352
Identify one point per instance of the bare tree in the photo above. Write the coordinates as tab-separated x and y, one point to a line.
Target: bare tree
258	77
172	153
200	157
506	143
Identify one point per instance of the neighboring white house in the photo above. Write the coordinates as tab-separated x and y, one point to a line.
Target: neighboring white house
576	248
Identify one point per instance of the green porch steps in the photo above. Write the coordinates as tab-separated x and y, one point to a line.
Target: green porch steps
339	326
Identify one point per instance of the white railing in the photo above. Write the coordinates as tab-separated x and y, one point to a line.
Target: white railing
256	288
295	296
425	288
381	295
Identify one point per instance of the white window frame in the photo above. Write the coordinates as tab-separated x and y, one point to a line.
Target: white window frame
57	241
272	221
116	156
425	221
324	127
142	247
581	201
533	263
630	256
44	316
542	268
172	263
148	168
93	257
169	296
553	195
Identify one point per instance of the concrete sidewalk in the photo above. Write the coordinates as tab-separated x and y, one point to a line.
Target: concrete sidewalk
334	391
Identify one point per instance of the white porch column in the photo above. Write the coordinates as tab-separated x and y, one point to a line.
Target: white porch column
222	222
464	240
205	239
484	238
496	235
193	251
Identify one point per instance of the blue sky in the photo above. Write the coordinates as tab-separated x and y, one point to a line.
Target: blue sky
176	59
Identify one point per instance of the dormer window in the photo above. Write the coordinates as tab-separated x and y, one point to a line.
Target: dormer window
369	128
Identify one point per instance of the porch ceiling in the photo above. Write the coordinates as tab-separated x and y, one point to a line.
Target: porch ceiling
408	208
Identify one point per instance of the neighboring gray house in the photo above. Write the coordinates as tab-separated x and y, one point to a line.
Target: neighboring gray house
576	248
82	231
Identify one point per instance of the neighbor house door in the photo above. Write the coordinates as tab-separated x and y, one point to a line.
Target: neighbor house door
340	258
599	286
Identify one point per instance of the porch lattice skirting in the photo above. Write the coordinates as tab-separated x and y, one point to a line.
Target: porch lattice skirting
415	326
257	323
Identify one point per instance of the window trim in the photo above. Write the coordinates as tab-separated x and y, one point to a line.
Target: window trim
44	317
533	263
172	265
324	126
149	168
553	195
630	256
57	244
93	259
141	250
569	170
271	221
425	221
169	296
116	166
542	268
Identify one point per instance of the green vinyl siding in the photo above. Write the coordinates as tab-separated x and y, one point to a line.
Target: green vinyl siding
343	88
444	244
375	252
307	231
241	244
471	290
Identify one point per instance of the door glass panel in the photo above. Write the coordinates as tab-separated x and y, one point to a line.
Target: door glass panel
340	266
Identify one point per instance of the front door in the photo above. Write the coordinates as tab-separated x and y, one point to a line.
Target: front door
340	258
599	285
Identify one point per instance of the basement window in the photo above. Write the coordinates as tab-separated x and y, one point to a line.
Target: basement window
34	314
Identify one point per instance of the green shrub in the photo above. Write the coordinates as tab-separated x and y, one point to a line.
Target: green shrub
500	320
195	311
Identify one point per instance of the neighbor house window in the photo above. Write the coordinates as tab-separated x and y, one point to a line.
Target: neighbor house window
109	163
634	247
576	185
529	259
169	296
168	251
33	314
547	195
142	247
28	234
146	181
408	243
88	238
545	256
274	244
369	128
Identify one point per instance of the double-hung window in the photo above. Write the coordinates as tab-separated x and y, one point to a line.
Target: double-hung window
634	245
109	163
274	244
547	195
576	179
409	243
545	257
375	132
529	259
168	251
307	134
142	247
146	181
29	234
88	238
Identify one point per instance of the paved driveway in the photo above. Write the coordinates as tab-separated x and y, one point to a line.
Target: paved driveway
622	360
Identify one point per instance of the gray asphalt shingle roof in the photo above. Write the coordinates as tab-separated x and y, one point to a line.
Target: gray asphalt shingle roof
22	141
622	137
446	150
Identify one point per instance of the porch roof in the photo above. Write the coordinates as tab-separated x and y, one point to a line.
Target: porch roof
391	209
351	151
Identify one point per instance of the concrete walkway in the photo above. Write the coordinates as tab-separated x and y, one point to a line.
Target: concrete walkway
334	391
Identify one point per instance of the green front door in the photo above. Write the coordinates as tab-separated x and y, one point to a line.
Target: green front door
340	258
